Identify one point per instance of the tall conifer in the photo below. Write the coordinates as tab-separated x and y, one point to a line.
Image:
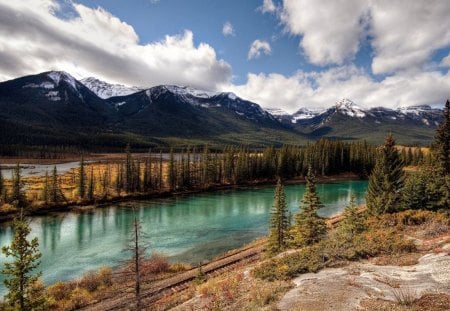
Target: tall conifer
24	291
279	222
386	181
309	228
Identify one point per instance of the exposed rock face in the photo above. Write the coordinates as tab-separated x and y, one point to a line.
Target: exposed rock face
344	288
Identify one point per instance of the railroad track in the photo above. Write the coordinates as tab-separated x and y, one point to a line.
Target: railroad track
152	291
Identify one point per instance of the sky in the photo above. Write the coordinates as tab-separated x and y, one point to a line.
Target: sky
283	54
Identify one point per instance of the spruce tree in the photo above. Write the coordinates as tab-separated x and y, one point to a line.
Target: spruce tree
90	194
128	170
24	290
279	222
17	196
2	187
353	222
45	189
309	228
386	180
441	152
441	146
81	180
55	191
172	172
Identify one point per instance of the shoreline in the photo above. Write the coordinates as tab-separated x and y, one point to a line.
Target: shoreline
83	206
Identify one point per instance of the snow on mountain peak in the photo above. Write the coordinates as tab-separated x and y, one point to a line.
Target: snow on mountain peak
346	106
58	76
187	90
303	114
276	111
106	90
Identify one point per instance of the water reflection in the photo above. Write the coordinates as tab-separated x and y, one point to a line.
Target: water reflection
191	229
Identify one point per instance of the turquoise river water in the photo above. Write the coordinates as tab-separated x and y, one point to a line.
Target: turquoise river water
190	228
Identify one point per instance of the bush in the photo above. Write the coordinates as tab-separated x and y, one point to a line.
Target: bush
157	263
60	290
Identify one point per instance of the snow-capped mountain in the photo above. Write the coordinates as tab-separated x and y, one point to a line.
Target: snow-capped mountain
182	96
53	108
106	90
304	113
346	106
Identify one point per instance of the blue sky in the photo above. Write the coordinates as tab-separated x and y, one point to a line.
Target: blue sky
153	20
282	54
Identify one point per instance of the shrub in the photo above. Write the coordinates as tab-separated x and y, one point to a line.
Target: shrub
157	263
60	290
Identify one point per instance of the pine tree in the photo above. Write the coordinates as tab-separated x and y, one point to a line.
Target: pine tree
128	170
45	189
172	172
55	191
441	146
81	180
24	290
309	228
279	222
90	194
386	181
353	222
441	152
17	196
2	187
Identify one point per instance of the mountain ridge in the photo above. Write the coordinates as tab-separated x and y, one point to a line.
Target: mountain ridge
55	108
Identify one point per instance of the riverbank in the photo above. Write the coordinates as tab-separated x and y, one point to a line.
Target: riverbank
9	214
413	280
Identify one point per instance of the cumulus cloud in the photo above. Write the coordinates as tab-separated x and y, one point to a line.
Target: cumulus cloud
407	32
330	29
228	29
34	39
257	48
268	7
323	89
403	33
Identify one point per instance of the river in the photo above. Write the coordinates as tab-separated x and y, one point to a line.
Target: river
190	228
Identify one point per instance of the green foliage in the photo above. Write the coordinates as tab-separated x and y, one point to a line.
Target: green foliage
90	192
377	235
81	180
24	290
279	222
2	187
309	228
441	152
353	221
386	181
441	145
17	198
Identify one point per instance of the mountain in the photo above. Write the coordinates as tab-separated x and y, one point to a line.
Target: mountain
53	108
106	90
346	120
183	112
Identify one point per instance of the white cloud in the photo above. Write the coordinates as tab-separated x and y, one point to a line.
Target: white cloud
407	32
268	7
228	29
445	61
404	34
330	29
259	47
323	89
33	39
